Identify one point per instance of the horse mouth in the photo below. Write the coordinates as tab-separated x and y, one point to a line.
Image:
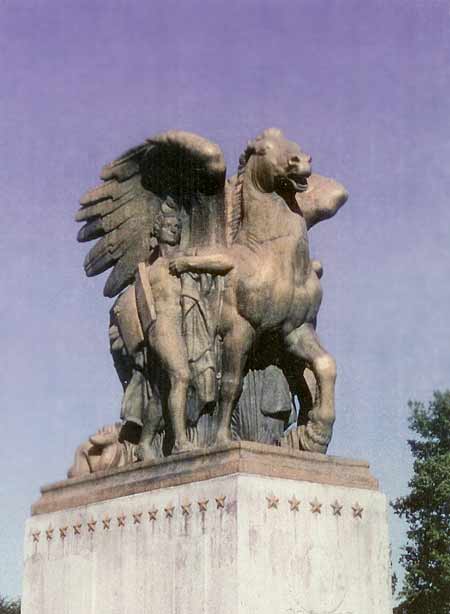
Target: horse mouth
298	182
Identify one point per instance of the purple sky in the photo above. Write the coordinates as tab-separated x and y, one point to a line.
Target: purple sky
362	86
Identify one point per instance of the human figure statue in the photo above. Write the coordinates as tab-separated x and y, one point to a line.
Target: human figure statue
158	297
102	451
165	336
161	372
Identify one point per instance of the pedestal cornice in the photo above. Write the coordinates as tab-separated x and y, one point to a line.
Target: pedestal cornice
239	457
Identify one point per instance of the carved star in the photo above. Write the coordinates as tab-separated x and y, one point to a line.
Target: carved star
63	532
316	506
91	526
49	533
357	510
186	509
203	505
272	502
121	520
106	522
137	518
36	535
294	503
220	501
169	511
152	514
77	528
337	508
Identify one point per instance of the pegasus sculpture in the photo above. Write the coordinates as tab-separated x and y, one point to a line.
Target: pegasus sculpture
217	292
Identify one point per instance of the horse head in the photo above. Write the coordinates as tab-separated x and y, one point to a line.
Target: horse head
276	164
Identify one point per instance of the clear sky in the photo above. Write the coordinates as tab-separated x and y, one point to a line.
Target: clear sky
362	85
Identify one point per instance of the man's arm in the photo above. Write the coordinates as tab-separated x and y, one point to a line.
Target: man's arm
216	264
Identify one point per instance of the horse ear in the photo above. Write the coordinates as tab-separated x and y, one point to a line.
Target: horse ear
274	133
261	146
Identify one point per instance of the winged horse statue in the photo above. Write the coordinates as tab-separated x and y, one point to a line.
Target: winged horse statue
246	239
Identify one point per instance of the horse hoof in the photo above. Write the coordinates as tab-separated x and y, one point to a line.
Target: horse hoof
313	443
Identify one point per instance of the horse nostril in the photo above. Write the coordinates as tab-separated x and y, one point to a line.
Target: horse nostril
294	160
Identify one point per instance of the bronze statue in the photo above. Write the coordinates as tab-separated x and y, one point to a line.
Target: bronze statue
232	277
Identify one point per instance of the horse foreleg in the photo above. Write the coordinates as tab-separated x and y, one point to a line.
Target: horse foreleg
304	343
235	348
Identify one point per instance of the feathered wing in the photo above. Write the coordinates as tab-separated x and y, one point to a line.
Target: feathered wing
120	213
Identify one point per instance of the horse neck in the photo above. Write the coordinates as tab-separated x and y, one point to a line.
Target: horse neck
263	213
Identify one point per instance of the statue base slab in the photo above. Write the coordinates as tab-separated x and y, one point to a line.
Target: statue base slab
245	529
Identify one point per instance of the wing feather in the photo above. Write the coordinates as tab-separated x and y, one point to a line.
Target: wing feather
126	166
109	249
98	226
104	207
126	268
120	212
112	189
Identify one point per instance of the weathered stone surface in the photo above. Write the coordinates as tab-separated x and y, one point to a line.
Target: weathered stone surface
246	542
195	466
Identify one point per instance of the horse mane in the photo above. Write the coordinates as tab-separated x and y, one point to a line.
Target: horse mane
235	203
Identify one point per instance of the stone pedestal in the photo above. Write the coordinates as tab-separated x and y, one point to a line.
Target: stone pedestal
247	529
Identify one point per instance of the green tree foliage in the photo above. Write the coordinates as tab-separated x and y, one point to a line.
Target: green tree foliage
426	509
8	606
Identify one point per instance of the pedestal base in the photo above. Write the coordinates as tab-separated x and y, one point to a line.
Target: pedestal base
206	535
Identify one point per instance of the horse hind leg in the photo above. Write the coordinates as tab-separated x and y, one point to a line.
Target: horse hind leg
304	343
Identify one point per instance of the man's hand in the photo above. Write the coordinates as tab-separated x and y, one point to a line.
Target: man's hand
180	265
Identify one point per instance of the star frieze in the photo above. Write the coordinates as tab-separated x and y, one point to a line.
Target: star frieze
36	536
357	510
137	517
186	509
169	511
272	502
152	514
203	505
337	508
294	504
316	506
220	502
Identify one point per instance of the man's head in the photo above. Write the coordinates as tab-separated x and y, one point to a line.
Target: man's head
170	230
167	226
